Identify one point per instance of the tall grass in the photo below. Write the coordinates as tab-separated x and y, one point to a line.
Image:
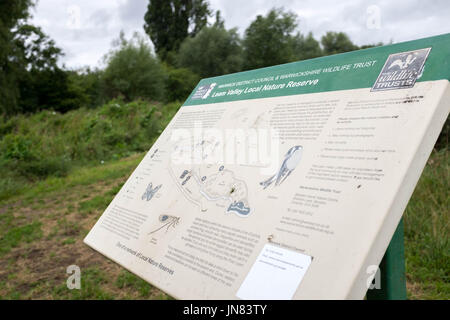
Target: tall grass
33	147
427	230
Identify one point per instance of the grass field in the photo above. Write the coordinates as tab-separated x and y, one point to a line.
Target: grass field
42	228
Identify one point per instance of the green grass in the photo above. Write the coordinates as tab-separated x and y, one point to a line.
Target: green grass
127	279
426	235
79	177
64	205
99	201
427	230
49	144
92	280
12	236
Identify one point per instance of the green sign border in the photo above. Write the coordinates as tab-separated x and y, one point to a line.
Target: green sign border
337	72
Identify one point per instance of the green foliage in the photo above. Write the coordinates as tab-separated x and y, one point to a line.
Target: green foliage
169	22
179	84
49	143
10	14
14	235
427	226
99	202
87	84
27	63
127	279
306	47
34	49
214	51
92	281
21	153
49	89
337	42
269	40
367	46
17	147
133	72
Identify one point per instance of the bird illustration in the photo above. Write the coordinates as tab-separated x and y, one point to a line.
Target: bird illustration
291	160
403	65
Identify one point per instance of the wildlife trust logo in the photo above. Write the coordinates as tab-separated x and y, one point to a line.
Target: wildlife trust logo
401	70
203	91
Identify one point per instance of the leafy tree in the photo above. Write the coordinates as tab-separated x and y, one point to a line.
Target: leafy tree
11	12
30	78
306	47
169	22
42	84
87	82
367	46
269	40
337	42
132	71
50	89
214	51
179	84
219	23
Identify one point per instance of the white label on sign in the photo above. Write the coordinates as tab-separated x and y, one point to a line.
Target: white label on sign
275	275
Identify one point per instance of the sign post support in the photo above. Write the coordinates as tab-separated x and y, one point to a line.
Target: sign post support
392	269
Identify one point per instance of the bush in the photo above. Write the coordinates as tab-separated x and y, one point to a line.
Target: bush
49	143
133	72
180	83
213	51
270	40
17	147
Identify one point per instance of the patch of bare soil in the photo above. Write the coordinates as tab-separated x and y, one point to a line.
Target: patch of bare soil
34	269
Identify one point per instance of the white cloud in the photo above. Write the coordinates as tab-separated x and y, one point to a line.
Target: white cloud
85	35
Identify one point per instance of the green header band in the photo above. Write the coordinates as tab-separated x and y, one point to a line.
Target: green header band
351	70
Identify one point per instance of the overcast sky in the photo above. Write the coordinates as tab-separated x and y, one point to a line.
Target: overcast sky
84	29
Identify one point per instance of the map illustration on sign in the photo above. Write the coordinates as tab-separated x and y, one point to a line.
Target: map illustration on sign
206	184
209	184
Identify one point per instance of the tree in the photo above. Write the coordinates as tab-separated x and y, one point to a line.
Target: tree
87	82
42	84
214	51
367	46
269	40
180	83
169	22
337	42
132	71
306	47
219	23
30	78
49	89
11	12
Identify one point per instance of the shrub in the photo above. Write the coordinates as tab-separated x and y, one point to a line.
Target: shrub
50	144
133	72
180	83
213	51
